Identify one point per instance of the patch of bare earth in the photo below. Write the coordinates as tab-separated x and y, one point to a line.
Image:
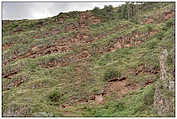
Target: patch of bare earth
117	87
120	87
6	46
132	40
9	75
122	43
63	45
160	17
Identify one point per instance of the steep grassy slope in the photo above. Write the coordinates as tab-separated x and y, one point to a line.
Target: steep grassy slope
85	63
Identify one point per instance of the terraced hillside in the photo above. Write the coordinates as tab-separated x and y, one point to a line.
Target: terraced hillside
102	62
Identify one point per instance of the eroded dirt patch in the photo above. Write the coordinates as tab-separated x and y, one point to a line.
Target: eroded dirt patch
9	75
120	87
6	46
63	45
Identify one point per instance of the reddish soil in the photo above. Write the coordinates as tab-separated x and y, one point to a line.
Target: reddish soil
149	20
63	45
99	99
6	46
161	17
85	54
149	82
169	15
131	41
120	87
17	83
8	76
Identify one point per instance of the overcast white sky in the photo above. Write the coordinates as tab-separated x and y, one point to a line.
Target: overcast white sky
37	10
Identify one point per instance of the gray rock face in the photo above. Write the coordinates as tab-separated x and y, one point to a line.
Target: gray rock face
164	97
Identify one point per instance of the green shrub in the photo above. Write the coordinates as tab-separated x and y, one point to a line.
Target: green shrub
164	28
149	28
152	44
171	57
160	35
119	106
110	74
149	96
105	14
134	20
55	95
169	23
96	10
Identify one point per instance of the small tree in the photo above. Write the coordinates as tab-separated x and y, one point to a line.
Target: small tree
123	11
170	23
96	10
106	13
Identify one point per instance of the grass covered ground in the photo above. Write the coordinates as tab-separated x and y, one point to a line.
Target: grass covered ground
84	64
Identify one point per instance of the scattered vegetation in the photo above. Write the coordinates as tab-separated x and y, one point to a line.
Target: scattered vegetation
110	74
55	66
55	95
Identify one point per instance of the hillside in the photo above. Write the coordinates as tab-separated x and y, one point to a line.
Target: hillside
101	62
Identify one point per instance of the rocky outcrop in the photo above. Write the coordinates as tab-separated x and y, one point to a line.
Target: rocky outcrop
164	97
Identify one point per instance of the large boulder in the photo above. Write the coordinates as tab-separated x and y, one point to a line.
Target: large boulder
164	97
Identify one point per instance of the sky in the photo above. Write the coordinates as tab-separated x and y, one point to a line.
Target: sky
38	10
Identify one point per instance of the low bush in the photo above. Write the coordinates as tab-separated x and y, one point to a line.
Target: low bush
119	106
107	13
110	74
149	96
170	23
149	28
55	95
160	35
